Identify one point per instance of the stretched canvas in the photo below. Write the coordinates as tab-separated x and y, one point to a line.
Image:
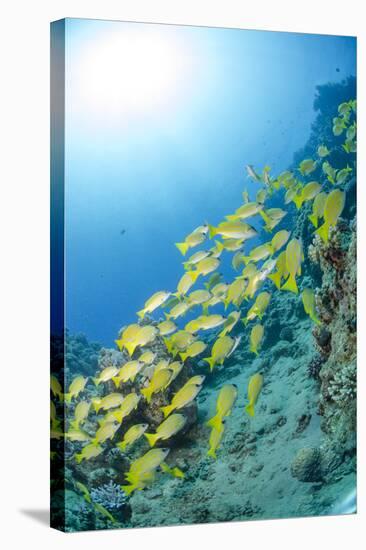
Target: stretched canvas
203	275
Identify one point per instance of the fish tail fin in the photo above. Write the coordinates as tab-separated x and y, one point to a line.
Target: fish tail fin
204	309
75	424
128	489
246	259
193	275
264	216
116	381
212	231
68	397
212	453
219	246
146	392
78	457
186	265
182	247
130	347
141	314
166	410
298	201
210	361
290	285
168	344
323	232
152	438
314	219
276	278
250	409
231	217
314	318
183	356
96	405
122	445
215	422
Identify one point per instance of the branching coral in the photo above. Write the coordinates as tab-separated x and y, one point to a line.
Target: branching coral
110	495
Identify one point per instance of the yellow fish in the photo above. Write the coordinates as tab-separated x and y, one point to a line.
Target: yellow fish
193	350
307	166
145	335
182	398
196	380
166	328
198	297
177	311
195	258
258	253
220	350
215	440
159	381
233	230
235	293
84	491
294	255
76	387
179	341
261	196
128	372
107	374
56	387
279	240
169	427
281	270
213	280
77	435
246	211
318	208
225	402
308	192
256	337
88	452
272	217
175	367
333	208
99	508
106	431
254	389
205	322
232	245
132	435
308	300
230	323
80	414
127	335
142	469
252	173
193	239
175	472
129	403
204	267
186	281
148	356
323	151
259	307
110	401
154	303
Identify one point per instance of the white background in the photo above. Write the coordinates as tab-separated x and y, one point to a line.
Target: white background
24	281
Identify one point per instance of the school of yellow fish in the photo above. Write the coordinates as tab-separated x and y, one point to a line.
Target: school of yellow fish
277	261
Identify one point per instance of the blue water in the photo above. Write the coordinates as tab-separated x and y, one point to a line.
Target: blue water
139	180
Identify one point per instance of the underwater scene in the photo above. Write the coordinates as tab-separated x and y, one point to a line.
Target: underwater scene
203	339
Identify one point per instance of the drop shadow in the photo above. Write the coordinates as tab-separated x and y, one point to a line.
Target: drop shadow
42	516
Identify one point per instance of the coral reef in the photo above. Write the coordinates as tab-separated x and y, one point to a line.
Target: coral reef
303	431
